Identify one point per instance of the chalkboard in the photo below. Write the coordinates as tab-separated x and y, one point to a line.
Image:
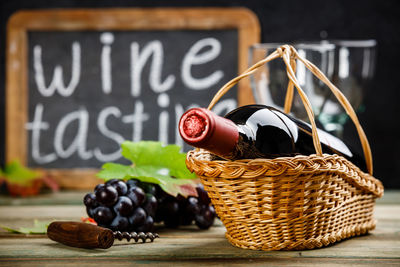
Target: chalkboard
80	82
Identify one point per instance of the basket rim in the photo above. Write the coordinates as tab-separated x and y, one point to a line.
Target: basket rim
198	161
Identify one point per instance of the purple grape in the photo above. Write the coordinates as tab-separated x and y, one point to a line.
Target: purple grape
90	212
138	217
137	196
192	205
205	218
102	225
132	183
120	223
171	214
186	219
160	213
107	195
90	200
149	188
181	199
150	205
171	207
103	215
203	196
98	187
147	226
109	182
212	209
161	195
168	211
119	185
123	206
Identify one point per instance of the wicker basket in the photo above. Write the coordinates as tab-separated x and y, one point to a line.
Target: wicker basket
290	203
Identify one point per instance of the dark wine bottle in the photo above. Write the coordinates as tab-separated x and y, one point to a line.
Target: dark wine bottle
257	131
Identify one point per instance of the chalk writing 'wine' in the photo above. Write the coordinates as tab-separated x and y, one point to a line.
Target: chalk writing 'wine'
153	49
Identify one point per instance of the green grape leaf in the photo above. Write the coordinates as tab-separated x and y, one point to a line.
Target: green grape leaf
149	153
11	230
39	227
116	171
154	163
15	173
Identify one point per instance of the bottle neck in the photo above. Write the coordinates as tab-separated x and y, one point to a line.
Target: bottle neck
202	128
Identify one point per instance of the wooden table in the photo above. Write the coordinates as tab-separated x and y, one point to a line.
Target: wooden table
185	246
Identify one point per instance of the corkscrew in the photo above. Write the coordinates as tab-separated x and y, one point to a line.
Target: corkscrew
85	235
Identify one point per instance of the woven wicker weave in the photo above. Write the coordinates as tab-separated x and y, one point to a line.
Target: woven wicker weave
290	203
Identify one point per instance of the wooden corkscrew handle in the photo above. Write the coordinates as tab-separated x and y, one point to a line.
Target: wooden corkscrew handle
80	235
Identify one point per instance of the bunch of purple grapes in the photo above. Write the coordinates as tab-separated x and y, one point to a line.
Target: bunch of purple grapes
135	206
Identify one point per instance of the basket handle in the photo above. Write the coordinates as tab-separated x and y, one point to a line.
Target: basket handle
289	55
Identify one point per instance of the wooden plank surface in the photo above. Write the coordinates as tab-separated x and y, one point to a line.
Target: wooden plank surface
188	245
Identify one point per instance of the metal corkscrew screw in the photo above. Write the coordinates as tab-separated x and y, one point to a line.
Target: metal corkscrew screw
135	236
85	235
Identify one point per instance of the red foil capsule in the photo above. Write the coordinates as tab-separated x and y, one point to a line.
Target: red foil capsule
202	128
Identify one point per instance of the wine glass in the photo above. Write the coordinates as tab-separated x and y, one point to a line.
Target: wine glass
354	63
270	81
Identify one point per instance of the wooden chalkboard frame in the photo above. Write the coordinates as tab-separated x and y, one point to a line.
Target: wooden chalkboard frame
140	19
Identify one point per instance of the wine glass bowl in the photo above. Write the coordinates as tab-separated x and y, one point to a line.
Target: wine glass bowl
348	64
270	81
354	63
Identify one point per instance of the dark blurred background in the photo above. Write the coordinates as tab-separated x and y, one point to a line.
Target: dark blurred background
290	21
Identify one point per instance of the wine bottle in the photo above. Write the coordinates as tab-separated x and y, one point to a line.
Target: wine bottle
257	131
